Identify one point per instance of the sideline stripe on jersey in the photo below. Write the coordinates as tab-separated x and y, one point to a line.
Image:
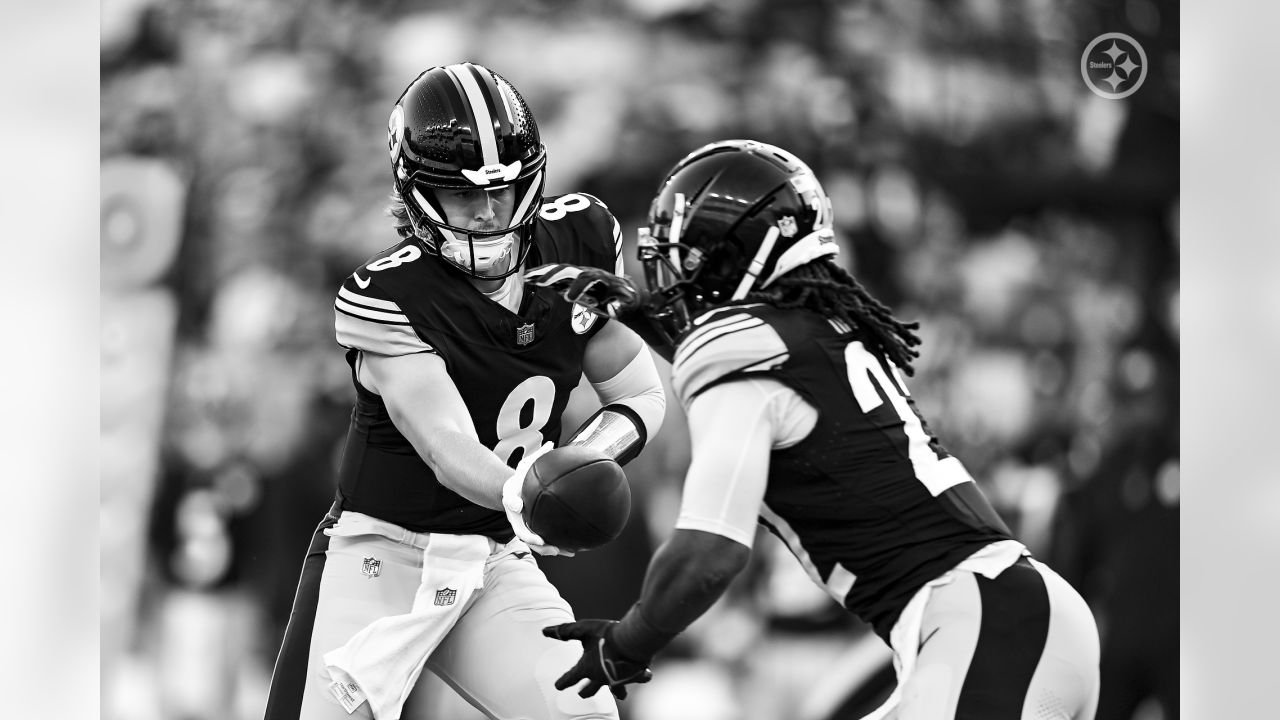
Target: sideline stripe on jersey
736	344
391	339
704	335
465	75
841	580
368	308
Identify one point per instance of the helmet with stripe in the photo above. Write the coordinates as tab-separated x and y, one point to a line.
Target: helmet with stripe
730	218
463	127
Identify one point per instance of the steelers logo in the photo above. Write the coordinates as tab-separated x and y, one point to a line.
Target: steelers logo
395	132
582	319
1113	65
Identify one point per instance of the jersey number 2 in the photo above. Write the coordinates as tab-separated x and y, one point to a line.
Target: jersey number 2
937	474
539	391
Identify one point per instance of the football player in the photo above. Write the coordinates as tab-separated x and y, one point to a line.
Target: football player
792	378
461	373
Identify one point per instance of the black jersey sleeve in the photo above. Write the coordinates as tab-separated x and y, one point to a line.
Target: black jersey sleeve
368	317
581	231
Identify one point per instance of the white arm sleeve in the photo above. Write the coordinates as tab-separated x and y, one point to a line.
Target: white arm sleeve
734	427
638	387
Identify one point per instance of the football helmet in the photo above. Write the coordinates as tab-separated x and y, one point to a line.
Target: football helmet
730	218
464	127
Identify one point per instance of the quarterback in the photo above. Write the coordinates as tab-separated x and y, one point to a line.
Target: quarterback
792	378
461	373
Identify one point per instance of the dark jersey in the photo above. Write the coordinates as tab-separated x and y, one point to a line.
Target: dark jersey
870	502
514	371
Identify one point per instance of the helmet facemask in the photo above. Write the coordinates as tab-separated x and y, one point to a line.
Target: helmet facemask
482	254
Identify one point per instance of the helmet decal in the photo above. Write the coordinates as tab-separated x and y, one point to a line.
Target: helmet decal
489	173
395	132
465	75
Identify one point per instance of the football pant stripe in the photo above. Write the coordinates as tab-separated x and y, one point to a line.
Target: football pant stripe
289	680
465	74
1011	641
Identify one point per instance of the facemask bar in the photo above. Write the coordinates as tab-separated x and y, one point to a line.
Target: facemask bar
475	251
670	290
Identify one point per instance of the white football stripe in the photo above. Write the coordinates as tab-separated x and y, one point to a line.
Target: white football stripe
484	121
707	333
380	338
347	307
431	213
529	195
359	299
619	266
841	580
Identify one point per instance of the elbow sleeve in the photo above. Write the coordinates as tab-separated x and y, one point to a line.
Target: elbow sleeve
634	405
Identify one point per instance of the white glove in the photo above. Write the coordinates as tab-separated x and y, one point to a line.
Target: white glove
513	503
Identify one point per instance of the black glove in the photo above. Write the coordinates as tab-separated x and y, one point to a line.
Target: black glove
601	664
604	293
598	290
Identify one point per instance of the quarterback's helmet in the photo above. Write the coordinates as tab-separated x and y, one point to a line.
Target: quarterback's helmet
463	126
730	218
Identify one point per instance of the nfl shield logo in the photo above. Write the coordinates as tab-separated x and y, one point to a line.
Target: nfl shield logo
524	334
371	567
446	596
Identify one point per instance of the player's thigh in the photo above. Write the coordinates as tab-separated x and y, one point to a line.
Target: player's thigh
1065	683
497	658
361	579
949	634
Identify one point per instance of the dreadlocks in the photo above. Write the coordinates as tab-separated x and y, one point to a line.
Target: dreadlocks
824	287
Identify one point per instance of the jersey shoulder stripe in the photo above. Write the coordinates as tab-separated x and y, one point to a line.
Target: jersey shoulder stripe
363	321
725	342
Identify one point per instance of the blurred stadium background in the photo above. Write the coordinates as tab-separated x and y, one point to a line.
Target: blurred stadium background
979	187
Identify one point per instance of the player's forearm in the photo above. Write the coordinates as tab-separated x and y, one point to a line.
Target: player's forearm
685	578
463	465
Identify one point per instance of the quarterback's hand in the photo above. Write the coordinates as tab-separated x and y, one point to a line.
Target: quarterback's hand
600	291
601	664
513	503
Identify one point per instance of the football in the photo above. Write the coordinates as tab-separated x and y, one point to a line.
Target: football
576	498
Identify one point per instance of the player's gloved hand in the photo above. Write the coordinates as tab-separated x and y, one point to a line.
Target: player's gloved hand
600	291
513	503
601	663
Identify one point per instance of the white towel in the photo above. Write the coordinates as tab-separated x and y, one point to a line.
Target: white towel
382	662
989	561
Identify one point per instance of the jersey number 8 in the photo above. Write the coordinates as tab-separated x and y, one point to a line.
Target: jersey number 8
512	434
555	209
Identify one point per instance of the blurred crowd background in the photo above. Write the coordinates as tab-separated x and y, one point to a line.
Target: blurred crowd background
979	187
